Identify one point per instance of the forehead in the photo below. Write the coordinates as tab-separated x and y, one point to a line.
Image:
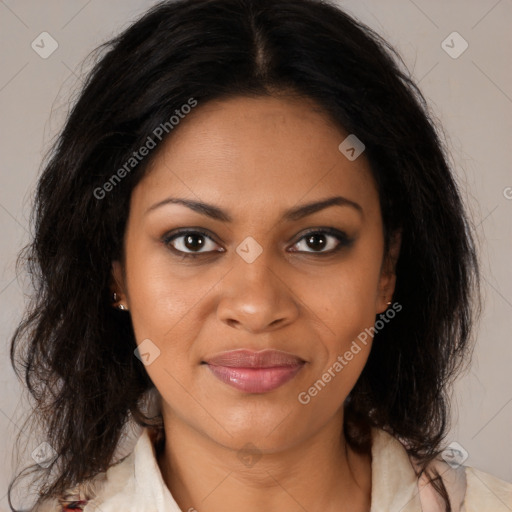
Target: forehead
252	151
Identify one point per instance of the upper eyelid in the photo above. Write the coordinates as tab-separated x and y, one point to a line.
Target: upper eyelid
167	238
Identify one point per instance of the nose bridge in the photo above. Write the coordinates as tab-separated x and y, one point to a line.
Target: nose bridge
255	297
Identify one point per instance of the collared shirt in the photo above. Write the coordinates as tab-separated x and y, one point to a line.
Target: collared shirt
136	484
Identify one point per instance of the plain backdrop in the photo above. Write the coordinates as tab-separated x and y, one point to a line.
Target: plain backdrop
469	91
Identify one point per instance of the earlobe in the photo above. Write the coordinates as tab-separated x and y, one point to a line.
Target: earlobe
117	287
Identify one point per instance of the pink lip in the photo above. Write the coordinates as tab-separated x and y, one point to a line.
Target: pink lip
255	372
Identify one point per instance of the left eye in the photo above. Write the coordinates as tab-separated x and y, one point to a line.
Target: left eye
321	242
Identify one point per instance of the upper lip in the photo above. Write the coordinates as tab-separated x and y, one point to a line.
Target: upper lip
243	358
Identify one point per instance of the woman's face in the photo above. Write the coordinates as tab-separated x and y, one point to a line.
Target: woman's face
280	248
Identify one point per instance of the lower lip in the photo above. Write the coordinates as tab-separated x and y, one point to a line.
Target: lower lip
255	380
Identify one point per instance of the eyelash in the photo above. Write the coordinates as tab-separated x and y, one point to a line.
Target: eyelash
340	236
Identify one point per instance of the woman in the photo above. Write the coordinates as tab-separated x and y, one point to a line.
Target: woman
250	246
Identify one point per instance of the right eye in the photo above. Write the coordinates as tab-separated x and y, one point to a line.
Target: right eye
191	243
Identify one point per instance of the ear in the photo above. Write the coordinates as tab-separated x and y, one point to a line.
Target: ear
118	285
387	279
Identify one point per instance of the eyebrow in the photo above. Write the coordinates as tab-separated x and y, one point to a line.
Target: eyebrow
292	214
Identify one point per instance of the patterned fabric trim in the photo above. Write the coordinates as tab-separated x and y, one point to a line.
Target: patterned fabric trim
73	505
76	498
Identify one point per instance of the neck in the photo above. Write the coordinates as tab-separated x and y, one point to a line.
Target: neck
321	473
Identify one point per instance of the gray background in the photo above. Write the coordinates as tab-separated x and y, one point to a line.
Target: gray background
471	95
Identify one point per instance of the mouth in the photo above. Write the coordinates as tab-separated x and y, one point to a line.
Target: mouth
255	372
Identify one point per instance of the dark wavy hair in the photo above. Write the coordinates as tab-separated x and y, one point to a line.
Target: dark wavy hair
75	351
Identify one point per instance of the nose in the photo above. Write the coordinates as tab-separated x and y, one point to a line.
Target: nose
256	298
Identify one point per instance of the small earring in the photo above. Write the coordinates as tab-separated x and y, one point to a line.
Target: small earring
115	298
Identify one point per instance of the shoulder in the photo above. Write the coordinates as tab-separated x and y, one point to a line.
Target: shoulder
103	485
486	493
132	483
469	489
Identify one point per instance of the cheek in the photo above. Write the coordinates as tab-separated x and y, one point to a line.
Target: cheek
346	300
347	303
170	303
161	294
347	296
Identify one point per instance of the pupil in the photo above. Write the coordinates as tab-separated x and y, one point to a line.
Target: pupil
316	241
189	242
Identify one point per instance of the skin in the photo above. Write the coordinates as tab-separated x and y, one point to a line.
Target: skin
256	158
